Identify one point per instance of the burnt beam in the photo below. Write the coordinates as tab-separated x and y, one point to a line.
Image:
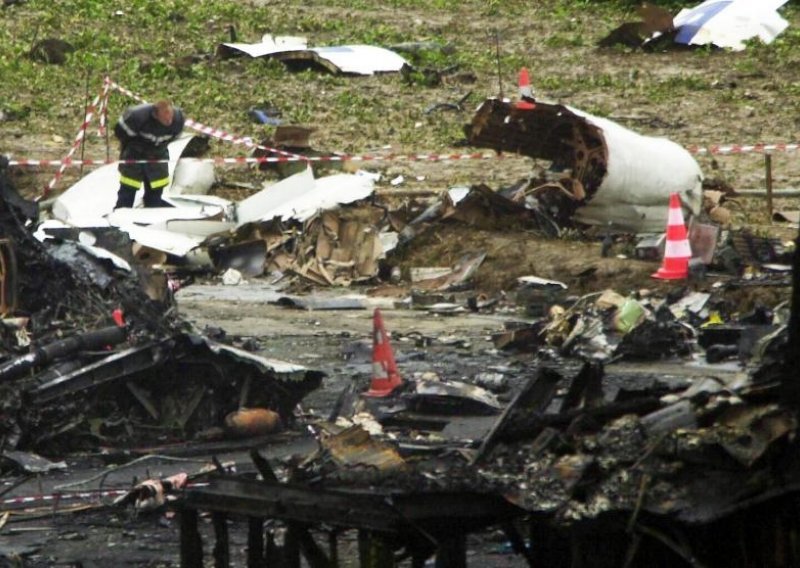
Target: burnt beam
111	368
222	552
255	542
191	543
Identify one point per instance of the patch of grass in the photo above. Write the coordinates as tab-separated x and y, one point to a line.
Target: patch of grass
166	47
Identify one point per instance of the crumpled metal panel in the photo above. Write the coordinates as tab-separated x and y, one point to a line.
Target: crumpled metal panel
355	447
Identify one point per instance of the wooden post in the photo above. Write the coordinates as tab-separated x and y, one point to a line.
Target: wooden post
768	180
191	543
255	542
222	556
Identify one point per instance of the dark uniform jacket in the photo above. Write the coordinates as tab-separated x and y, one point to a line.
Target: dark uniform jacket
143	137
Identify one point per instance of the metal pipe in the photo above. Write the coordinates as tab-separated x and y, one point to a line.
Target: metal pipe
768	180
43	355
787	192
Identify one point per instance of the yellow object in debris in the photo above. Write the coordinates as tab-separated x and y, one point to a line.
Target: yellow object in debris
713	319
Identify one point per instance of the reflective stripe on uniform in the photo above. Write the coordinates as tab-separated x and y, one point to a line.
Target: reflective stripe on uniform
130	131
157	140
159	183
130	182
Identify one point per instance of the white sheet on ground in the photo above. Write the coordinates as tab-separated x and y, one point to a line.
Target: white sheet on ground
300	196
730	23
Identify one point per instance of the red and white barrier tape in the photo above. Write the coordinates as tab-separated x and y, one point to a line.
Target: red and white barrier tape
17	502
283	156
76	144
216	132
267	159
102	112
55	498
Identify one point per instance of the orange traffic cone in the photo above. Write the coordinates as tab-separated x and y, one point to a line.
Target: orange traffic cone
385	377
525	91
676	251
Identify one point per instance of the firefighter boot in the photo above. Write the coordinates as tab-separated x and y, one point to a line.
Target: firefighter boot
125	197
152	198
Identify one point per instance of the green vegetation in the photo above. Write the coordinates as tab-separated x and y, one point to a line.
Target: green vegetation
166	48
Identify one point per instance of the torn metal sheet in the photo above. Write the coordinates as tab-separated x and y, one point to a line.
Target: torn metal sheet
537	282
703	241
280	369
355	447
618	176
300	196
30	462
192	177
86	203
166	241
349	302
730	23
484	208
268	45
247	257
353	59
103	254
421	273
451	397
200	227
463	270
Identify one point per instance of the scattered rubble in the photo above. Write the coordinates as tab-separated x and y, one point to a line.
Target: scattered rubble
635	426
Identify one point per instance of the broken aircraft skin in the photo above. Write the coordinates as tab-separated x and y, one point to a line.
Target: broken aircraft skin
612	176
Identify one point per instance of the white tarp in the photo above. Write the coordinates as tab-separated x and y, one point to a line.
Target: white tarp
357	59
301	196
730	23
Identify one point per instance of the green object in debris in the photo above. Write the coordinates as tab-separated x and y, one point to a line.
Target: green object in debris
629	315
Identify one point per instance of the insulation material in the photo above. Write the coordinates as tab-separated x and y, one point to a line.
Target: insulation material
617	176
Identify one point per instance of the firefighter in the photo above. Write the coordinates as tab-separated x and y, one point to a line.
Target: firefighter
144	131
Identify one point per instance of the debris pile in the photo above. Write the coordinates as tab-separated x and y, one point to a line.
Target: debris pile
94	352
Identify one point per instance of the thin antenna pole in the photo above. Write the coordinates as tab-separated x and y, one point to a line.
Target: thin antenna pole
497	54
85	114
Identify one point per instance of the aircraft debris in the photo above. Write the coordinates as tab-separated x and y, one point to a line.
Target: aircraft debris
616	176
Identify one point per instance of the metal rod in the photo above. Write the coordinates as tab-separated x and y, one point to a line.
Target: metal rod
786	192
85	114
497	54
768	178
108	126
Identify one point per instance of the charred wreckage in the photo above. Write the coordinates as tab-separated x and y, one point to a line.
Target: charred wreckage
580	468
